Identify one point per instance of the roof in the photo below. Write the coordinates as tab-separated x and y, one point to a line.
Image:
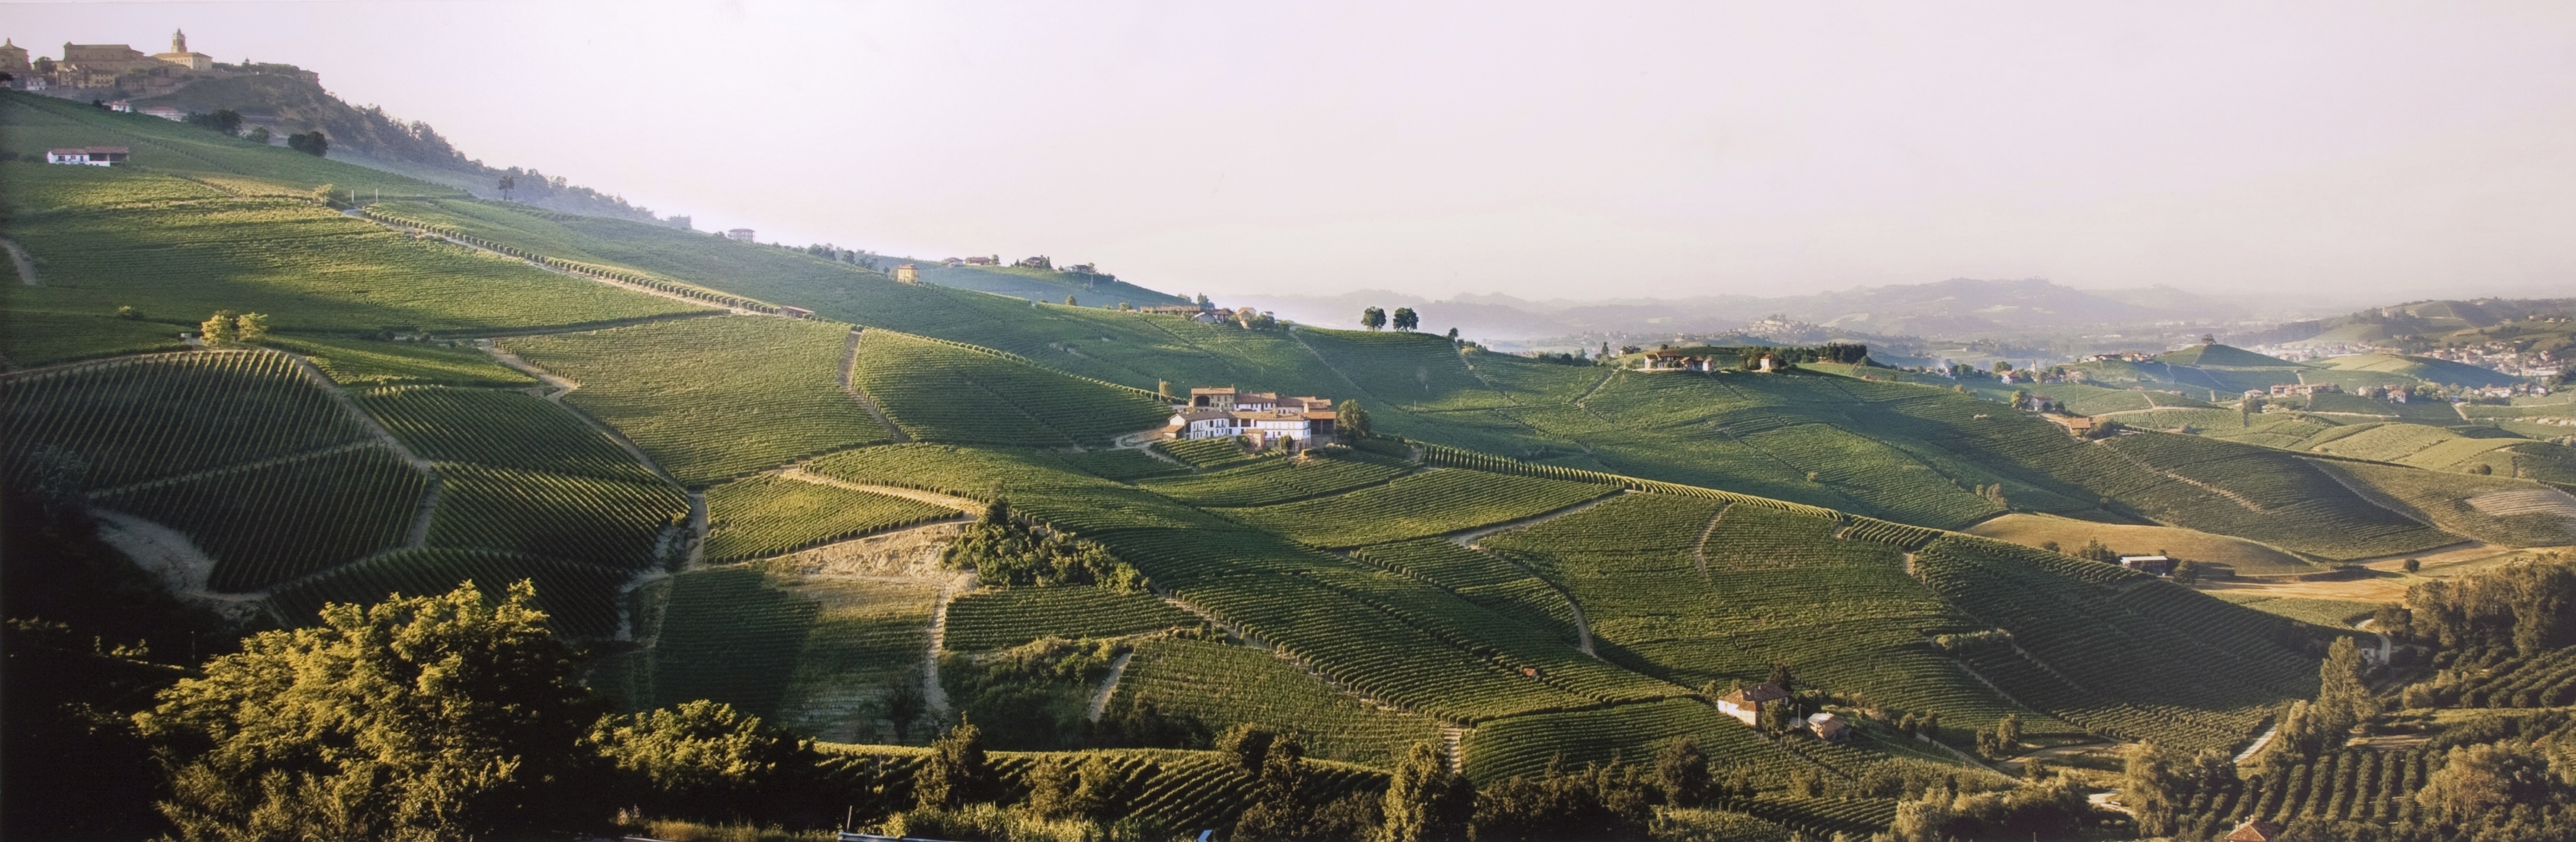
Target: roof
88	150
1212	390
2129	558
2257	830
1756	694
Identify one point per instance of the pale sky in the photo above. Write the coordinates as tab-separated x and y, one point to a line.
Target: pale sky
1576	150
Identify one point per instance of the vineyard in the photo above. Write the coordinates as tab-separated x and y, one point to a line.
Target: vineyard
1001	619
365	362
2469	505
939	391
2270	496
1708	592
1181	789
867	633
273	522
503	429
1206	454
32	123
2109	648
2246	557
580	600
1525	745
1220	685
32	338
142	418
1416	506
725	634
311	269
711	399
768	515
1275	481
619	523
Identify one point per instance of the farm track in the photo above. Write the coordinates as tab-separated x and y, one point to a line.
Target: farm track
350	406
1699	548
18	257
698	530
419	534
1582	623
934	697
850	360
1108	686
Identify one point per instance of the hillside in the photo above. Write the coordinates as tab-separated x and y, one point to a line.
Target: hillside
922	505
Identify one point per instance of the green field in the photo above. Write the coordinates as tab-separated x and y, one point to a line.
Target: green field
364	362
940	391
33	123
142	418
1416	506
2515	513
768	515
713	399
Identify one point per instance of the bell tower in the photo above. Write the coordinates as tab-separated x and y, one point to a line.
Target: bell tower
178	41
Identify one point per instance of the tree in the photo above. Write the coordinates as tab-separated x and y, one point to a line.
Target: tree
1780	676
1921	820
1353	421
1425	802
1405	319
1279	810
2342	699
1373	318
1681	768
219	329
2153	787
258	135
1070	302
422	718
224	120
2186	572
902	703
700	759
1249	742
1204	303
1453	336
250	327
956	772
310	143
2414	565
2008	732
2480	779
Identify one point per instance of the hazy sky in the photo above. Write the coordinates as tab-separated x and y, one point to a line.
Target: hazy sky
1544	150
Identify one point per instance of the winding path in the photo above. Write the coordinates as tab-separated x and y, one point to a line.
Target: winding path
1108	686
18	257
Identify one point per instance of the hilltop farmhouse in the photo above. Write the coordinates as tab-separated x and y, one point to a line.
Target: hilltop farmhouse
1746	703
1262	417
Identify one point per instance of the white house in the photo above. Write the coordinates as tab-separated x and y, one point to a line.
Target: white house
1746	704
96	156
2155	564
739	235
1263	417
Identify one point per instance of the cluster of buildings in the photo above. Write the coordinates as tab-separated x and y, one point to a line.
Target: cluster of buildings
2282	390
113	67
1745	705
1263	418
2504	358
1679	361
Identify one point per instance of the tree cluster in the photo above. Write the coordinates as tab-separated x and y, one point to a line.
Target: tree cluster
222	120
226	327
310	143
2527	606
1375	318
1006	548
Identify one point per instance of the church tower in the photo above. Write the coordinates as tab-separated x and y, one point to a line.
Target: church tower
178	40
180	56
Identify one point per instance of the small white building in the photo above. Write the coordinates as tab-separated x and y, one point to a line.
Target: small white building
1829	726
2155	564
1746	704
121	107
739	235
96	156
1262	417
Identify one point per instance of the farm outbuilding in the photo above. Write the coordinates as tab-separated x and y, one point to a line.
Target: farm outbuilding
96	156
1829	727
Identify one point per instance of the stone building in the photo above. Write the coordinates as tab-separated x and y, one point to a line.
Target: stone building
180	56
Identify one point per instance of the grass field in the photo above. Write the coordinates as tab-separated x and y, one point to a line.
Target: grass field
33	123
2247	557
713	399
2323	612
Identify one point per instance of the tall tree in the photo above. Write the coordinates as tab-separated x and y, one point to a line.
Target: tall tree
1425	802
416	718
1351	419
1681	768
1373	318
219	329
1406	319
250	327
956	772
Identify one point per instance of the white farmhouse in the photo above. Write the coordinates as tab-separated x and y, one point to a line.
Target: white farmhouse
1262	417
96	156
1746	703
